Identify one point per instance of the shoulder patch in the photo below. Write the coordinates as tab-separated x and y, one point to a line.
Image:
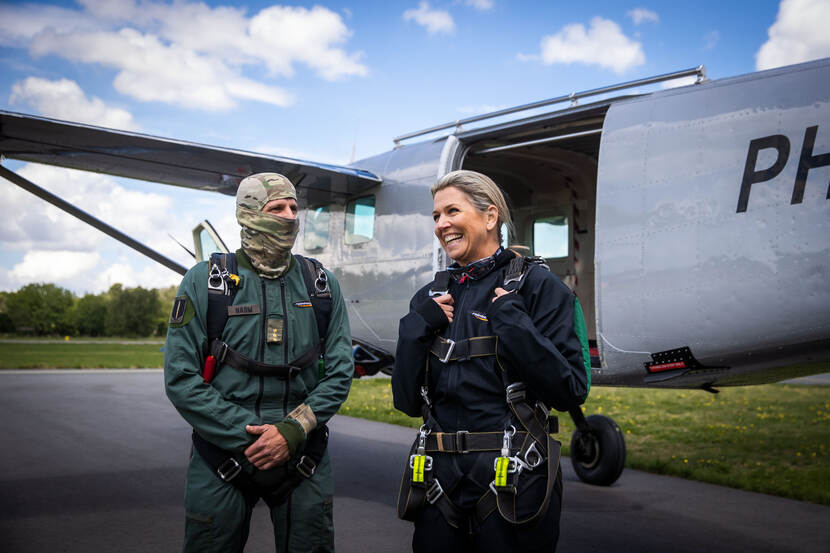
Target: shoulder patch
182	312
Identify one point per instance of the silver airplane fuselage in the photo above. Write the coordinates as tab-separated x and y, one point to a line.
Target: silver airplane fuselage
693	223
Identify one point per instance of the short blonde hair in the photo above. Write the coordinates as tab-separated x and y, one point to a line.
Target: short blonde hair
482	192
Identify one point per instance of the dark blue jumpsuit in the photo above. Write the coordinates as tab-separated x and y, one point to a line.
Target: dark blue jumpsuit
541	342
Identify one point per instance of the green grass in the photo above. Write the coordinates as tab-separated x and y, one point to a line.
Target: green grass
772	439
32	355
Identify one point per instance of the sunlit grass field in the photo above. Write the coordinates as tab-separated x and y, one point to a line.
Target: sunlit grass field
79	354
772	439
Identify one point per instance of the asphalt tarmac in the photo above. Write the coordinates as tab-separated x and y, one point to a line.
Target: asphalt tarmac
95	461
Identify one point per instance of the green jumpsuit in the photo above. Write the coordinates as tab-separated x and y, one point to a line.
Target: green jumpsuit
281	328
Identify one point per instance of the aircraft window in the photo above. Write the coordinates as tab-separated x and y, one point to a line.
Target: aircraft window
209	245
550	237
316	228
360	220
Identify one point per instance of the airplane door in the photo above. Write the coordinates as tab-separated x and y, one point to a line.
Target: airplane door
207	241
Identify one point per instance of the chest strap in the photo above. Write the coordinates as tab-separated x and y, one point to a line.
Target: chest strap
224	354
462	350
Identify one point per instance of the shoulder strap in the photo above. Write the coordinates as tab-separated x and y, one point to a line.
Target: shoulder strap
441	284
220	292
319	293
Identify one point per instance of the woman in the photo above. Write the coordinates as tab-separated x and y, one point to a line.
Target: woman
481	349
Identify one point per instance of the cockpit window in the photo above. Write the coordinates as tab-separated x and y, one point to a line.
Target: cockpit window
360	220
316	234
550	237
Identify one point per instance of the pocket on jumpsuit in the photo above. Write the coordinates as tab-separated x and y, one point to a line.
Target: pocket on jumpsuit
199	530
324	527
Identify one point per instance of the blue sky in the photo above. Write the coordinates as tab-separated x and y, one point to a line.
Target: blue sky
317	81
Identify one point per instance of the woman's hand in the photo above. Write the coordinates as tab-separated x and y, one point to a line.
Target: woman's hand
445	303
499	293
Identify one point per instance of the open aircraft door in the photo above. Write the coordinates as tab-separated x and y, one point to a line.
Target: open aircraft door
207	241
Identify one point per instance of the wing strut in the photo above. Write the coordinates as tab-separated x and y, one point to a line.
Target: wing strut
13	177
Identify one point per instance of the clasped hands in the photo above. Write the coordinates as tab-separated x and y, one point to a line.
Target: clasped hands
269	450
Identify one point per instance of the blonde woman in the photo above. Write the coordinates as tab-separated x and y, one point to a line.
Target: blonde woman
485	349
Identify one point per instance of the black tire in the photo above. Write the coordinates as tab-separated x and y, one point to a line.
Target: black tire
598	456
387	369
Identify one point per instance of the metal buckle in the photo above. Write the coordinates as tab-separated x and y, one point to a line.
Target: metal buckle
514	465
461	438
223	352
230	472
427	462
434	492
515	392
306	467
449	351
531	452
511	489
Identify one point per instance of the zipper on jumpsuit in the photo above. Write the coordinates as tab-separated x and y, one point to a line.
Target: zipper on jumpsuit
453	380
285	401
261	392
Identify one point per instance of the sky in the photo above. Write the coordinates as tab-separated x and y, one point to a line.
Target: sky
331	82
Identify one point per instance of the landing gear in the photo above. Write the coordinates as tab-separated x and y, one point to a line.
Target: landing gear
597	448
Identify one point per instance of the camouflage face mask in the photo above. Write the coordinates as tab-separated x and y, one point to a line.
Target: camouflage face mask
266	238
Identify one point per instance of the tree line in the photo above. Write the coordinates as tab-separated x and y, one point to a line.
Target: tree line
47	309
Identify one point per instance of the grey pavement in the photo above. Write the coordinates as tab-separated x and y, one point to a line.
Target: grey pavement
95	461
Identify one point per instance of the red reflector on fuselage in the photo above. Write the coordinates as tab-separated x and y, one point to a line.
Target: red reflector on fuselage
667	367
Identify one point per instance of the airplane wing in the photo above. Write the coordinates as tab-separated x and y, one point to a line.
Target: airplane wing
139	156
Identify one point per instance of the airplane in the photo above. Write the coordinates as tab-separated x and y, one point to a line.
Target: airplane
693	222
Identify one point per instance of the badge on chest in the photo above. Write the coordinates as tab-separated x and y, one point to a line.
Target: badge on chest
273	334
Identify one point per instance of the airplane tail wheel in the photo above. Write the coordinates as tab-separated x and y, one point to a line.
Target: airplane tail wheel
598	455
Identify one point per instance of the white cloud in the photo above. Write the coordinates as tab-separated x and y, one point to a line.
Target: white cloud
64	99
435	21
640	15
185	53
602	44
710	40
483	5
798	34
53	266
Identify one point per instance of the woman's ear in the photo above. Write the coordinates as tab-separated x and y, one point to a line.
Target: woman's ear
492	217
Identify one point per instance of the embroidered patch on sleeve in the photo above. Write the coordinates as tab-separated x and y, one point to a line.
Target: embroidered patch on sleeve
182	312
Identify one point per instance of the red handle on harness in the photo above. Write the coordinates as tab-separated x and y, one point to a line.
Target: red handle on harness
209	369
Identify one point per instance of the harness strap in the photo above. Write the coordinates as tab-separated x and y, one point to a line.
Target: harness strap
228	469
441	284
503	498
467	442
463	350
225	354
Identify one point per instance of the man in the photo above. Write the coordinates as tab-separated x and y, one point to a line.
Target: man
261	408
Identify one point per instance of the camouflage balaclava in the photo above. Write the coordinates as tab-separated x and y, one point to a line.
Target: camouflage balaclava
266	238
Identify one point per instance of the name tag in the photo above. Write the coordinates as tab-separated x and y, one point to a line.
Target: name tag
251	309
